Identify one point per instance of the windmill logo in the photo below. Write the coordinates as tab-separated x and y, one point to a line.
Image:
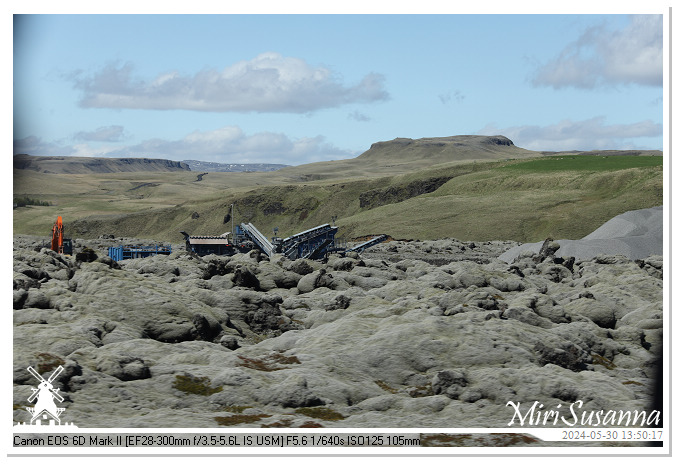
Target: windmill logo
45	408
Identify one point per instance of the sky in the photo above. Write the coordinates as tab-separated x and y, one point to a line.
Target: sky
300	88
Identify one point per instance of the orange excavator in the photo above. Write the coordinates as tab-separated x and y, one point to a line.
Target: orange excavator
58	236
59	243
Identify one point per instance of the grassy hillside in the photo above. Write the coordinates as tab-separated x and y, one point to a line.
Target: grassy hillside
466	187
523	200
513	204
76	196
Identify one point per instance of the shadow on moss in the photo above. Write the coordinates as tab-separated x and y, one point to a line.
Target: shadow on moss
269	362
236	409
195	385
600	360
240	419
320	413
383	385
48	362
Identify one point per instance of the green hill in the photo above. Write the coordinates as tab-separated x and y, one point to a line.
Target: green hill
465	187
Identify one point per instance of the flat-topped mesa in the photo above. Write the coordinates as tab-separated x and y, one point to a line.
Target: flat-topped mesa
88	165
458	140
444	149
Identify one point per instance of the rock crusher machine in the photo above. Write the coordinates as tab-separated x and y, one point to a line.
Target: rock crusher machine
315	243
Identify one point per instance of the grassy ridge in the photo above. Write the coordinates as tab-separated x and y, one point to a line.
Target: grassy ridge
523	200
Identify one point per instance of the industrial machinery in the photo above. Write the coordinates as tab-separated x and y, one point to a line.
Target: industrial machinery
137	251
59	243
209	244
315	243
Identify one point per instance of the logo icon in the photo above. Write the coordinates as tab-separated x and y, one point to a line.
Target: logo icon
46	394
45	408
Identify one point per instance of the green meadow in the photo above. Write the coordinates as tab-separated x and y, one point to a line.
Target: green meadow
586	163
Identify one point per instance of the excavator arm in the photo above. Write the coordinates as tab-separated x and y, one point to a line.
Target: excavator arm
58	236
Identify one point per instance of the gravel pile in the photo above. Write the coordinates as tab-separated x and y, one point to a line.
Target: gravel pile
634	234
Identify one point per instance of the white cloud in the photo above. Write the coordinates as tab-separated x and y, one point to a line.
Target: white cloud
226	145
600	56
268	83
36	146
231	145
358	116
591	134
102	134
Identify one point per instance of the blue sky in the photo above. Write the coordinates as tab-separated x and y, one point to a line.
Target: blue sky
294	89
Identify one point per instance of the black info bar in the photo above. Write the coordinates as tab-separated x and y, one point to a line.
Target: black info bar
185	440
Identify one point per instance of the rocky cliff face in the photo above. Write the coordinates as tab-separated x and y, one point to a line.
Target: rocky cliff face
81	165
